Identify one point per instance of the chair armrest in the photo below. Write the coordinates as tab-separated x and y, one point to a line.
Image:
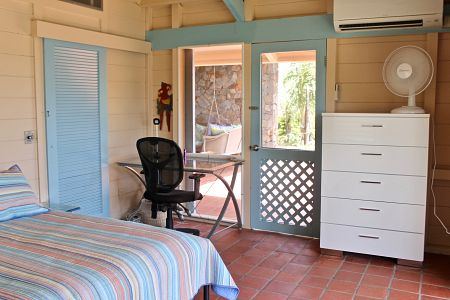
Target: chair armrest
196	177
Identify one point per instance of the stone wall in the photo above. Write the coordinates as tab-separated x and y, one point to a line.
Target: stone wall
269	95
228	88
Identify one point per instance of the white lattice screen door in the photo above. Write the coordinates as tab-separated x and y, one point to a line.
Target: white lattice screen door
287	103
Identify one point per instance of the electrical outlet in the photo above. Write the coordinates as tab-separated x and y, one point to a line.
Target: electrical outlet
28	136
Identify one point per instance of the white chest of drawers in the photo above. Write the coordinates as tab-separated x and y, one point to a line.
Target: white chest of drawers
374	184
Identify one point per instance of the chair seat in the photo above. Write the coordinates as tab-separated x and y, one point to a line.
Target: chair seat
175	196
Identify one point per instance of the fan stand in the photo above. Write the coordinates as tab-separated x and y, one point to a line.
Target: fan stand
410	109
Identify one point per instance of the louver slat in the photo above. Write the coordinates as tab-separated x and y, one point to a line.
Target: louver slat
74	123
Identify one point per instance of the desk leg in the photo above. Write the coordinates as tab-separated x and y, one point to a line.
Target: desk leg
227	201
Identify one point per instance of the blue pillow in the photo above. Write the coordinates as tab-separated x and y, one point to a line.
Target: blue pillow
16	196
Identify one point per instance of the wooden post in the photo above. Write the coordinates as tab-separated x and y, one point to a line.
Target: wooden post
330	105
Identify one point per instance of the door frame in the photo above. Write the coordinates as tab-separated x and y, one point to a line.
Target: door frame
48	84
257	49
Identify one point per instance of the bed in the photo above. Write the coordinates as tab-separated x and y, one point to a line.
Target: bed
57	255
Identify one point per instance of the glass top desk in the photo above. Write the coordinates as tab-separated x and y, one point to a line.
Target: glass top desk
206	164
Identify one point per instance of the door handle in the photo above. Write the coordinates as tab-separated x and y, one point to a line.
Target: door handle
371	154
254	147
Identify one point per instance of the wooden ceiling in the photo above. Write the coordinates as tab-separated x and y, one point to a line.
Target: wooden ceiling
232	55
218	55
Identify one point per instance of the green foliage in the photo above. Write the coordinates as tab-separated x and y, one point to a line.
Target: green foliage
297	120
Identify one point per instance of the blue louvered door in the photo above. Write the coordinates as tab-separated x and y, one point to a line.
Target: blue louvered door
75	100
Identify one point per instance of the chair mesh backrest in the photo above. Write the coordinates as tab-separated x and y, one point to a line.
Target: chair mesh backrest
162	162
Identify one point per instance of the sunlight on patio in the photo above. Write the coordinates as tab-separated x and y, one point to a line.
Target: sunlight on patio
214	193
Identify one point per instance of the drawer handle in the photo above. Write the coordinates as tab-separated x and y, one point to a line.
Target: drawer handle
371	154
369	209
369	236
372	182
371	126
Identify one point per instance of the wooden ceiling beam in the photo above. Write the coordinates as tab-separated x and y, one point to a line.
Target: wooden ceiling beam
236	8
151	3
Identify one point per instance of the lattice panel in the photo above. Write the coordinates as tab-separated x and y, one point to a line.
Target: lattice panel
287	192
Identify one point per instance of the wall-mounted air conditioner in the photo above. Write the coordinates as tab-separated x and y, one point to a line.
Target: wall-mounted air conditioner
358	15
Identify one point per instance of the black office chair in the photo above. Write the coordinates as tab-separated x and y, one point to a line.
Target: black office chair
163	166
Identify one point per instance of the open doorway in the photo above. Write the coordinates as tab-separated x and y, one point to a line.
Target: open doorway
215	126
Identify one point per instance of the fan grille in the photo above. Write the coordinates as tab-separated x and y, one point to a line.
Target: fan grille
421	75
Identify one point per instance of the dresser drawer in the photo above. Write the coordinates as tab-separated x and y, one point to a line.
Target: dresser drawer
381	215
371	129
377	187
375	159
372	241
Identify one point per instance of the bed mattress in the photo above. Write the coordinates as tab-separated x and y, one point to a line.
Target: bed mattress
59	255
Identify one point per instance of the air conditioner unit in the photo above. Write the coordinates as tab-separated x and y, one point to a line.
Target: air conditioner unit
358	15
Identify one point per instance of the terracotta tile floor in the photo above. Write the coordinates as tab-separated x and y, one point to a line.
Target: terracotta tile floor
273	266
214	193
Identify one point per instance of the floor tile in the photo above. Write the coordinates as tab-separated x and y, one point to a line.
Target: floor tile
239	270
246	293
273	266
249	260
289	277
332	263
424	297
348	276
436	291
293	268
293	247
315	281
376	280
304	260
343	286
253	282
401	295
258	252
353	267
333	295
372	291
322	272
404	285
275	261
407	275
266	295
440	278
267	246
380	271
307	292
280	287
263	272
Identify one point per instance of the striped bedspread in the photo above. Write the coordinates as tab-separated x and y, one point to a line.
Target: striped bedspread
60	255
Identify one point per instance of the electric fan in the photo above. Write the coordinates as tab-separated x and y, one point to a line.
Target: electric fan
407	72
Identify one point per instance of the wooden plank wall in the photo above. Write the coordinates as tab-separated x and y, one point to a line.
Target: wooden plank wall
437	239
126	85
359	63
193	13
127	123
17	94
205	12
269	9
